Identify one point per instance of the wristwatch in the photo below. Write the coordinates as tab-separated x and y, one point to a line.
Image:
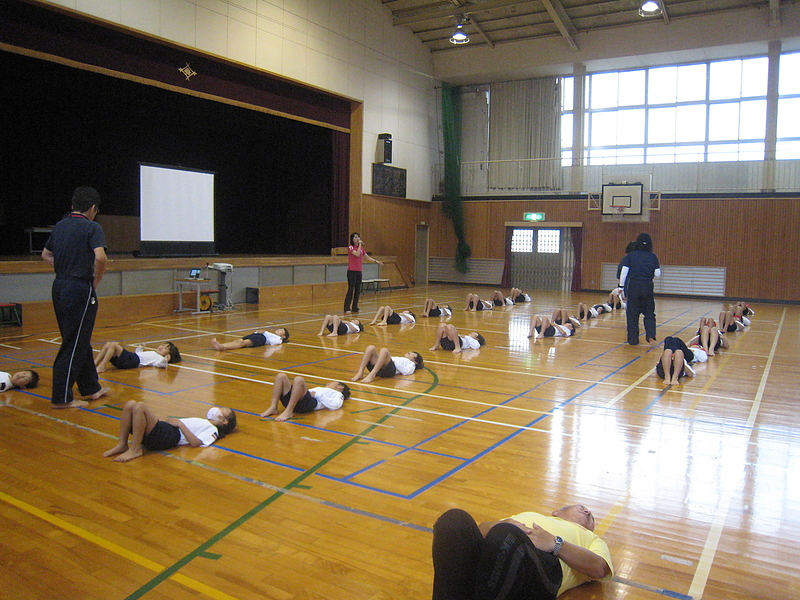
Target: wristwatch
557	547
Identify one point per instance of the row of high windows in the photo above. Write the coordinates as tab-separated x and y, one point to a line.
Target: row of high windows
711	111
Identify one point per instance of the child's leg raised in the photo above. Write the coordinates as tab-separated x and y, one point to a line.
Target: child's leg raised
281	386
382	359
666	364
107	352
677	367
299	389
370	355
325	322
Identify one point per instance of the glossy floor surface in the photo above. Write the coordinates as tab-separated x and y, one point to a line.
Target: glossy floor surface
695	487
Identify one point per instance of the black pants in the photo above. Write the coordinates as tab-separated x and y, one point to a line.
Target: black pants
75	305
640	302
353	290
504	565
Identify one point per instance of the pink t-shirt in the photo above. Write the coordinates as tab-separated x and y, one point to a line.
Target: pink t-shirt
355	263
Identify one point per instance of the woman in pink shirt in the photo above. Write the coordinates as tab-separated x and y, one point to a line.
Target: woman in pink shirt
355	258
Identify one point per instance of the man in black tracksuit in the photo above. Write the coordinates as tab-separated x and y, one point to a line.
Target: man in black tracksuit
76	249
636	277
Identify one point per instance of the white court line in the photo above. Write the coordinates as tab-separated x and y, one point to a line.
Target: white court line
715	532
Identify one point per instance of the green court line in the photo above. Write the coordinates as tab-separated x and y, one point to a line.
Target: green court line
210	555
202	550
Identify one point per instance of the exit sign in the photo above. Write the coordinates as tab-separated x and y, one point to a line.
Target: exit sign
533	216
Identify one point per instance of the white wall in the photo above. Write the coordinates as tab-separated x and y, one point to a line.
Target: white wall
348	47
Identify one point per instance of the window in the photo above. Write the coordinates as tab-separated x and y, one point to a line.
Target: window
788	144
712	111
548	241
522	240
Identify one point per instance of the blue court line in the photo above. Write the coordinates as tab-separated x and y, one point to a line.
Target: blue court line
469	461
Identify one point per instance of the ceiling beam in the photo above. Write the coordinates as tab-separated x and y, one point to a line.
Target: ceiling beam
481	32
415	16
775	12
556	11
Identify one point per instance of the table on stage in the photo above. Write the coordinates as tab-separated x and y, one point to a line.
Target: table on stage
36	230
198	286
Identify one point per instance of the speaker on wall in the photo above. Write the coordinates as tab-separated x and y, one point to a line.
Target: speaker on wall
384	153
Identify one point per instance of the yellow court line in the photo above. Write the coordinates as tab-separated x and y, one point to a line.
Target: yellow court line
700	578
114	548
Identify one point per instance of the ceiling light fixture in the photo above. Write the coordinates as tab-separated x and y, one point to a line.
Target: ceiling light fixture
459	35
650	8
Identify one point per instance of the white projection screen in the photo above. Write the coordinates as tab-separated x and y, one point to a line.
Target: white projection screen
177	211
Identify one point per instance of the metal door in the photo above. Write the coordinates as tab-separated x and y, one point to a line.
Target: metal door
542	258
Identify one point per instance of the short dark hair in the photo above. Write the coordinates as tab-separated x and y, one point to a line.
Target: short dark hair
174	353
84	198
227	427
34	379
285	334
480	338
418	362
345	390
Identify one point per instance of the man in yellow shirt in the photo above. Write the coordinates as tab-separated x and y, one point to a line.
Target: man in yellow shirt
529	556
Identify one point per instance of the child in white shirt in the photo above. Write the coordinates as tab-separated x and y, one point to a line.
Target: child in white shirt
296	397
21	379
379	363
113	352
447	337
254	340
147	432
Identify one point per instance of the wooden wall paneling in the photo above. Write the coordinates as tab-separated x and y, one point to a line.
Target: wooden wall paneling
389	227
755	239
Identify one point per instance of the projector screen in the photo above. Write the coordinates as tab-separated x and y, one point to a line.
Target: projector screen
177	211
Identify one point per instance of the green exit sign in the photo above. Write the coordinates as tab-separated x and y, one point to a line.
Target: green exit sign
533	216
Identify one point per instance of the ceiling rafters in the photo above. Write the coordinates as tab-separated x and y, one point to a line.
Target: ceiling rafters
422	14
507	21
556	11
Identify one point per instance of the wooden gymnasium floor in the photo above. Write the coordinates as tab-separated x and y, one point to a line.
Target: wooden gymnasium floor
696	489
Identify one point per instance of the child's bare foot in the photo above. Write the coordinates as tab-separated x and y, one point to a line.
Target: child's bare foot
101	369
333	334
99	394
675	382
381	324
357	377
118	449
269	412
130	454
73	404
368	379
284	416
217	345
456	350
434	348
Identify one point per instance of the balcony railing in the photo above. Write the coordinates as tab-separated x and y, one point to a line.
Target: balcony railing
546	176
